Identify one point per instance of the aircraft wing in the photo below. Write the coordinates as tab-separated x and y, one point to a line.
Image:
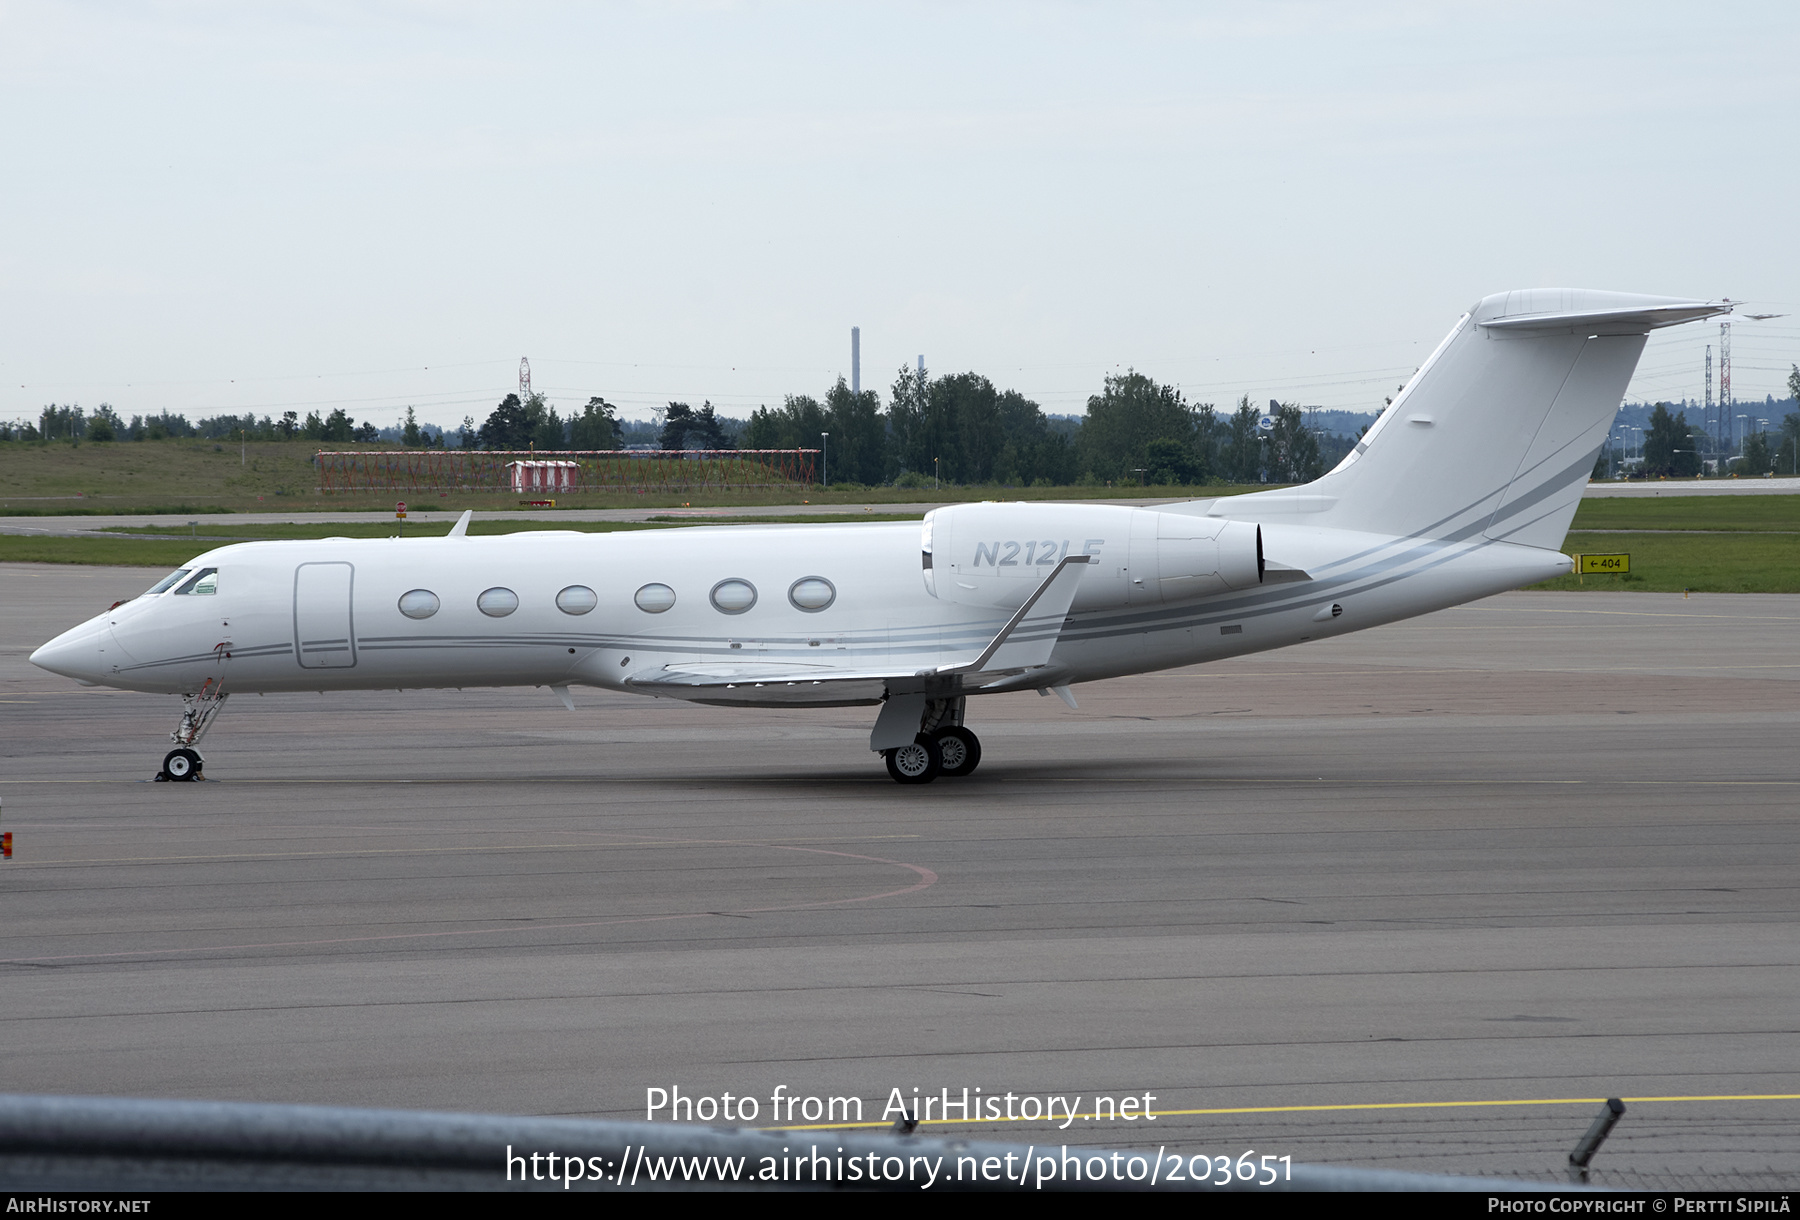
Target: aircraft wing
1023	643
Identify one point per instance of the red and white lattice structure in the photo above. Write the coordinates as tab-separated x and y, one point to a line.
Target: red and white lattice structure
544	476
567	471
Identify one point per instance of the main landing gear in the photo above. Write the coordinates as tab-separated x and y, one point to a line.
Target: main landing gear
943	746
184	764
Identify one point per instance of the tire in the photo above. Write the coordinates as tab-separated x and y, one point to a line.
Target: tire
919	763
961	751
182	766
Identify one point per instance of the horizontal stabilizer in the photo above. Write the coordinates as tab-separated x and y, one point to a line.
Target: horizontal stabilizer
1628	320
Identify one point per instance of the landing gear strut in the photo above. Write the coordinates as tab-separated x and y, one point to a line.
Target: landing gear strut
184	764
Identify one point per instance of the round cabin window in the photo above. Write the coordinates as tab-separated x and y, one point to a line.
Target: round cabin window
654	599
497	603
577	599
419	603
733	596
812	594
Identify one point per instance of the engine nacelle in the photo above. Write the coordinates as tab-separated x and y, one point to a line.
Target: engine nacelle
994	555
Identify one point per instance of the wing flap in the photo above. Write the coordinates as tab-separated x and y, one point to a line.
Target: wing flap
752	684
755	673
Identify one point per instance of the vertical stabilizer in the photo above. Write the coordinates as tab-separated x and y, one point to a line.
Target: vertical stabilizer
1497	432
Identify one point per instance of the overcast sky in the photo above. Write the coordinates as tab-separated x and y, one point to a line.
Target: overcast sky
212	208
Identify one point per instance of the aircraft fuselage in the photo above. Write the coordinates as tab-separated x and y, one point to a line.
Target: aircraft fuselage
327	615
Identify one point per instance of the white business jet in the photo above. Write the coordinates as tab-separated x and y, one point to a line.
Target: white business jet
1464	487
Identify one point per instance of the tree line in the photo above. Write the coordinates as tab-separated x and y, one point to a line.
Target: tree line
957	429
1674	448
962	429
72	423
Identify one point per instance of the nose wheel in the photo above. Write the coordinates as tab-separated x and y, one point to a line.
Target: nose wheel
181	766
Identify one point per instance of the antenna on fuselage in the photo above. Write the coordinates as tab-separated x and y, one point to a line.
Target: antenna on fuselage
461	528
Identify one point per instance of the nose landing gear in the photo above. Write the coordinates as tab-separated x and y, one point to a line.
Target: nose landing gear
184	764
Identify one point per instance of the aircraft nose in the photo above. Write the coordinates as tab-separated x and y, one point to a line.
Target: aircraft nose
78	653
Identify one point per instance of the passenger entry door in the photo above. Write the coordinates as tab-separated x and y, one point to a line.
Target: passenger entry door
324	636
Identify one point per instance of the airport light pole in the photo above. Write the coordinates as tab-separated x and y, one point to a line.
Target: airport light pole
825	458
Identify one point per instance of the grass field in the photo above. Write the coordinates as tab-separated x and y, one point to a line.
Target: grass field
1748	544
1704	563
192	477
111	552
224	531
169	546
1706	544
1778	512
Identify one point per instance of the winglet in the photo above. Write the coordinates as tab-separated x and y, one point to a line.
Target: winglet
1059	607
461	528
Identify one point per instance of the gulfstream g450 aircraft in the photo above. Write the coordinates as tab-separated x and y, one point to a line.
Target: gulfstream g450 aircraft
1464	487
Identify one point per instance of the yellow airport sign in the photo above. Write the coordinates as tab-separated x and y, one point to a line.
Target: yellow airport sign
1607	564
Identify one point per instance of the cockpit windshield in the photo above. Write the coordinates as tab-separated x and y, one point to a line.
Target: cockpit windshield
205	582
168	582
